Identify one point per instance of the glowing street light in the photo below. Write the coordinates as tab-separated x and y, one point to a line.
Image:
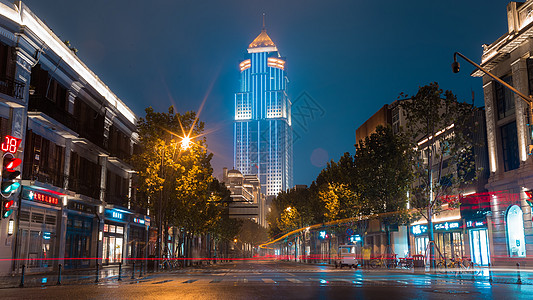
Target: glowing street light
186	142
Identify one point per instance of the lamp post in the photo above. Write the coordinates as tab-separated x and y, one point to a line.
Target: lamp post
527	99
185	145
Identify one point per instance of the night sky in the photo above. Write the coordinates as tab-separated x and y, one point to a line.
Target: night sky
350	57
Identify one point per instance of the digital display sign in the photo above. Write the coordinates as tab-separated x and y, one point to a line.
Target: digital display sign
39	197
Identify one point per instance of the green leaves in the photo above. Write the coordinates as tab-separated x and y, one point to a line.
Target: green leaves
441	129
178	181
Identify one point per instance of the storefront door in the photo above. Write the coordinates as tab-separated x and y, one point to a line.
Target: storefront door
421	244
479	246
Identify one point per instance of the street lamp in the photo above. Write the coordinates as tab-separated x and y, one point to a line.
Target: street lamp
186	142
527	99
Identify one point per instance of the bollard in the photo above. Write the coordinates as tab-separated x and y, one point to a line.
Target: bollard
59	275
141	270
519	280
133	271
490	274
22	278
120	271
97	272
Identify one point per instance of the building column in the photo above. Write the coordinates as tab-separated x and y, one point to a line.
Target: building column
488	90
520	82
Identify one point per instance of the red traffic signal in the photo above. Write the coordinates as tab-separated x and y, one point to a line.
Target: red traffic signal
6	208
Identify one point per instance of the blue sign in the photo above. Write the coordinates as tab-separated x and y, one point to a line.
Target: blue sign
349	231
355	238
419	229
114	214
323	235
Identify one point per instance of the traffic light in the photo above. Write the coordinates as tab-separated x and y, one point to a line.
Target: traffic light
529	197
9	184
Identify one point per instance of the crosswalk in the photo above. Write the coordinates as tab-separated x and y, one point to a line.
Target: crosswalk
324	280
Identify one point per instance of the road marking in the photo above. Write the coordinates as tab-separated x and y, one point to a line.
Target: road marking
268	280
190	281
159	282
293	280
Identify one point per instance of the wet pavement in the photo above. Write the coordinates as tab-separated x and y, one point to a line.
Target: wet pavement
284	280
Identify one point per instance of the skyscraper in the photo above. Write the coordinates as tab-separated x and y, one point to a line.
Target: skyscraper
262	126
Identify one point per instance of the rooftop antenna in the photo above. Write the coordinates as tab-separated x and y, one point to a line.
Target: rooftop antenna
264	22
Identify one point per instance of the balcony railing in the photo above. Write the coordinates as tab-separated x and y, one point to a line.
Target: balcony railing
12	87
45	175
43	104
85	188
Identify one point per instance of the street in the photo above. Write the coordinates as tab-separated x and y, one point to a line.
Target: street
280	280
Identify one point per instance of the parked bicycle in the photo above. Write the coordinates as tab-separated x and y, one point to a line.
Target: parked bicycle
388	261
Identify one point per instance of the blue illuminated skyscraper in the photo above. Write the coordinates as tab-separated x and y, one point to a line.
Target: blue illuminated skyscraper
262	128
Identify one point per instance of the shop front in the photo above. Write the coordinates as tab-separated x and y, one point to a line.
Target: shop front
38	238
115	222
479	241
80	234
420	241
138	236
449	239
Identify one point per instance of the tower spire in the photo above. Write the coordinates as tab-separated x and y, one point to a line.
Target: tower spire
264	28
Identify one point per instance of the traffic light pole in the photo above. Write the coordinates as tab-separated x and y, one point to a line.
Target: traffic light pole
526	98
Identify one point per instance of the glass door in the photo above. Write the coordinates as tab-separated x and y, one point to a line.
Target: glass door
479	247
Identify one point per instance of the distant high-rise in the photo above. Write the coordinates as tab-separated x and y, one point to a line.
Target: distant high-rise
262	127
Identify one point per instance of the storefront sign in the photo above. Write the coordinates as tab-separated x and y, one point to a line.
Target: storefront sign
114	214
419	229
476	223
447	226
77	206
138	221
39	197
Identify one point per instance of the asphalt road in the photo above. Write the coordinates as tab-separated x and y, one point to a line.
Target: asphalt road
280	280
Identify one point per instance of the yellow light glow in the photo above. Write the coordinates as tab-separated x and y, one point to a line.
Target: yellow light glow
185	143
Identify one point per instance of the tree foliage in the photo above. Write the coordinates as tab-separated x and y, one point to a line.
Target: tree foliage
177	181
384	172
442	133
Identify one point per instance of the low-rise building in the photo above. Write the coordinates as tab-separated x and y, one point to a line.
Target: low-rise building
75	202
247	201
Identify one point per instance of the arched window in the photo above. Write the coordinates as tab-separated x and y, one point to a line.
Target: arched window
515	232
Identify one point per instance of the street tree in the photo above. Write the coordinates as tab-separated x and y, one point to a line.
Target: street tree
383	176
441	130
174	172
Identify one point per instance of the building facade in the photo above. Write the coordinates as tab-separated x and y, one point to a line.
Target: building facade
262	126
75	135
247	200
509	136
458	231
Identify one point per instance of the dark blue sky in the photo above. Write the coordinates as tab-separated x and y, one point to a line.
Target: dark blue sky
351	57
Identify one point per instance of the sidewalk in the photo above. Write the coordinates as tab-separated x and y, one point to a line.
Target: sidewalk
106	274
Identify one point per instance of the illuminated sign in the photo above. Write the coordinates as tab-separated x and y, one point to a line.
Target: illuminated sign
40	197
47	235
323	235
476	223
419	229
447	226
355	238
138	221
10	144
114	214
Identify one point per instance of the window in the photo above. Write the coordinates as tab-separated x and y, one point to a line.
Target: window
510	146
504	98
515	232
